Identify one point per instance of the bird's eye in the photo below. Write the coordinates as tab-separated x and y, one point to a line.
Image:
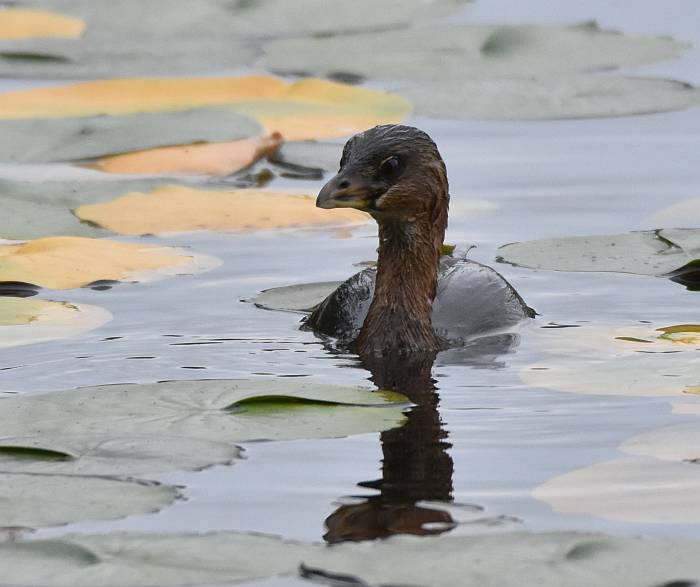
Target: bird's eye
390	166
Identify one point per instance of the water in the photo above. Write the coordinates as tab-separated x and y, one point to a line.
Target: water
547	179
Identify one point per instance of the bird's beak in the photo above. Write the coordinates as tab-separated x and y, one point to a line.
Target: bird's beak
344	192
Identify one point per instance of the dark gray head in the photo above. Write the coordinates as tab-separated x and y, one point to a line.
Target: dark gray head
390	171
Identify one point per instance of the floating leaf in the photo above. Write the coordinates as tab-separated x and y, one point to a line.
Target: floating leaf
68	262
24	321
180	209
301	297
636	360
25	23
645	253
136	429
51	500
219	159
512	559
672	443
303	110
686	213
456	52
541	98
66	139
309	155
211	36
573	559
631	489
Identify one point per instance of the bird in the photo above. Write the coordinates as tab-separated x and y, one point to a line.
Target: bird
415	299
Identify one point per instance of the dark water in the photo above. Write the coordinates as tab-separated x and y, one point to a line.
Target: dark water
488	437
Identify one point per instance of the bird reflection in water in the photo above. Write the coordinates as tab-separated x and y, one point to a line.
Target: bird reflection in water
416	466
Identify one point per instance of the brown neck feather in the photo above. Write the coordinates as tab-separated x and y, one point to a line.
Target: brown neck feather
399	318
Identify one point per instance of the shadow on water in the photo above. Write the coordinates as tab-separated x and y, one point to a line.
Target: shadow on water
416	466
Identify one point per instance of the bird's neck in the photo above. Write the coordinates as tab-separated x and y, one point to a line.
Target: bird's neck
399	318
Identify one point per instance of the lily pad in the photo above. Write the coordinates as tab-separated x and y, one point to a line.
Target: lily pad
637	360
671	443
686	213
28	23
69	262
497	72
24	321
67	139
148	560
656	252
307	109
301	298
174	37
455	52
219	159
181	209
323	157
631	489
134	429
541	98
52	500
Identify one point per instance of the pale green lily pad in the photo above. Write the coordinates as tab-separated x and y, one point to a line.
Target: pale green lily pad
459	52
309	155
541	98
167	37
656	252
301	298
51	500
25	321
67	139
148	560
134	429
630	489
685	213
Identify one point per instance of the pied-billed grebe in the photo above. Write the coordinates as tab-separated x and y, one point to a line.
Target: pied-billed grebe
413	301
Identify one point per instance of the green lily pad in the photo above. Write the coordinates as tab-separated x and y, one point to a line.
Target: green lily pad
148	560
24	321
134	429
301	298
67	139
50	500
166	37
453	52
657	252
541	98
498	72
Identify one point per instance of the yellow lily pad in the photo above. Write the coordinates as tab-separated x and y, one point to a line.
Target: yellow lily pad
306	109
24	23
68	262
218	159
182	209
24	321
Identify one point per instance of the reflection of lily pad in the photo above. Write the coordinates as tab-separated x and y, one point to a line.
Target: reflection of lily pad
23	23
66	139
136	429
551	559
302	297
636	360
306	109
173	37
68	262
645	253
220	159
631	489
24	321
51	500
181	209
